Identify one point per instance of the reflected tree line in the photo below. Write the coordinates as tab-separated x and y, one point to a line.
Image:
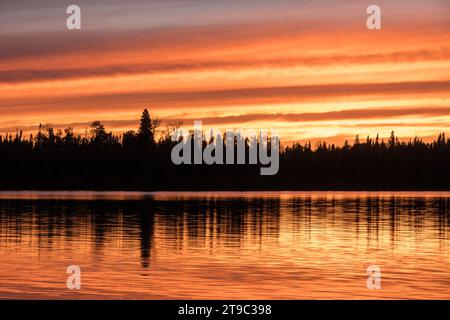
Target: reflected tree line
61	159
150	226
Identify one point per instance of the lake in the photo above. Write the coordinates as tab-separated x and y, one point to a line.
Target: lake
225	245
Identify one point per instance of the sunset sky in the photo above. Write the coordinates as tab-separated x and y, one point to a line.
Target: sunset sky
309	68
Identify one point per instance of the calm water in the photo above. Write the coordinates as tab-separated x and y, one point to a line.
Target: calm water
285	245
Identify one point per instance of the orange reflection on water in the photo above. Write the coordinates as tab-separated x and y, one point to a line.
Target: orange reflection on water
270	245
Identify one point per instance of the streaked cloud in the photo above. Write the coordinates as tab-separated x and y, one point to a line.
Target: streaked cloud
23	75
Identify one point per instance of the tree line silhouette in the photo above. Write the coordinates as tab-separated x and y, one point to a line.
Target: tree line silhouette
61	159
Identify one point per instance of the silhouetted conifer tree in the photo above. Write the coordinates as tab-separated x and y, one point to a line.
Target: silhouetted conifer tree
146	132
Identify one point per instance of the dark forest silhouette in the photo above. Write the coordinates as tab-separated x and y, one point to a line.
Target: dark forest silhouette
138	160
